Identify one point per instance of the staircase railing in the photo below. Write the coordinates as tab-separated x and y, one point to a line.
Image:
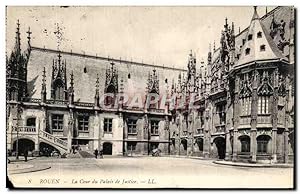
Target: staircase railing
57	141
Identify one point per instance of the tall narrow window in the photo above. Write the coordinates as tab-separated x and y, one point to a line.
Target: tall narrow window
59	91
154	127
263	104
83	123
131	124
57	122
107	125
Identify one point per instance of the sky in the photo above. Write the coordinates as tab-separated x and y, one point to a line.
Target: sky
154	35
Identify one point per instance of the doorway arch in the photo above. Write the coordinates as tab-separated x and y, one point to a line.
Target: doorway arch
23	144
221	146
107	148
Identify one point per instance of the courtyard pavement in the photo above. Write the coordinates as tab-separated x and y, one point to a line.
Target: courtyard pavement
148	172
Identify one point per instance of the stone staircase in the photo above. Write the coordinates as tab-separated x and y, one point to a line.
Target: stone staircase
86	154
56	142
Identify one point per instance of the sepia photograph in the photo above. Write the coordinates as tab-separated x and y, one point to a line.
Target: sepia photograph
150	97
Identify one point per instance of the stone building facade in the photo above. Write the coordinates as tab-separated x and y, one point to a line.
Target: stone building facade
239	105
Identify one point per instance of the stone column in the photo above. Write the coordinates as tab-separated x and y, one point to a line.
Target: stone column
125	137
177	144
37	146
274	149
253	145
286	145
206	140
275	116
229	117
235	117
228	145
253	131
235	141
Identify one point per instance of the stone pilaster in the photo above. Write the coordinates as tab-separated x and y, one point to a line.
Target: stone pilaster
253	131
228	145
253	145
275	116
236	117
286	145
125	136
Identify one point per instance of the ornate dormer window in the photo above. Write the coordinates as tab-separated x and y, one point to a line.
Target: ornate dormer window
249	37
152	89
247	51
111	85
262	48
59	82
259	34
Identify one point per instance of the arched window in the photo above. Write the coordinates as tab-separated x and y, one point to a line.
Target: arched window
262	144
245	143
199	142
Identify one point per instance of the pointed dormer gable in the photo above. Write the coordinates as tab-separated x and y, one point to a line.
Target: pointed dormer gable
259	46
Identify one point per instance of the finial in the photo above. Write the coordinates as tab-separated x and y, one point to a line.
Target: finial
226	24
255	15
214	45
18	39
59	57
266	10
44	76
29	33
72	79
97	82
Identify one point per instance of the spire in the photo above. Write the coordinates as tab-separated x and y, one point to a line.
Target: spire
214	45
59	58
44	92
71	89
29	37
226	24
266	10
232	28
255	15
97	97
209	54
72	80
18	39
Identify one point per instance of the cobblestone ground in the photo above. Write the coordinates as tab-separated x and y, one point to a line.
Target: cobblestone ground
149	172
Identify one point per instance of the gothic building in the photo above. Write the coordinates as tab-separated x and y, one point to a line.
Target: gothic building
237	106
